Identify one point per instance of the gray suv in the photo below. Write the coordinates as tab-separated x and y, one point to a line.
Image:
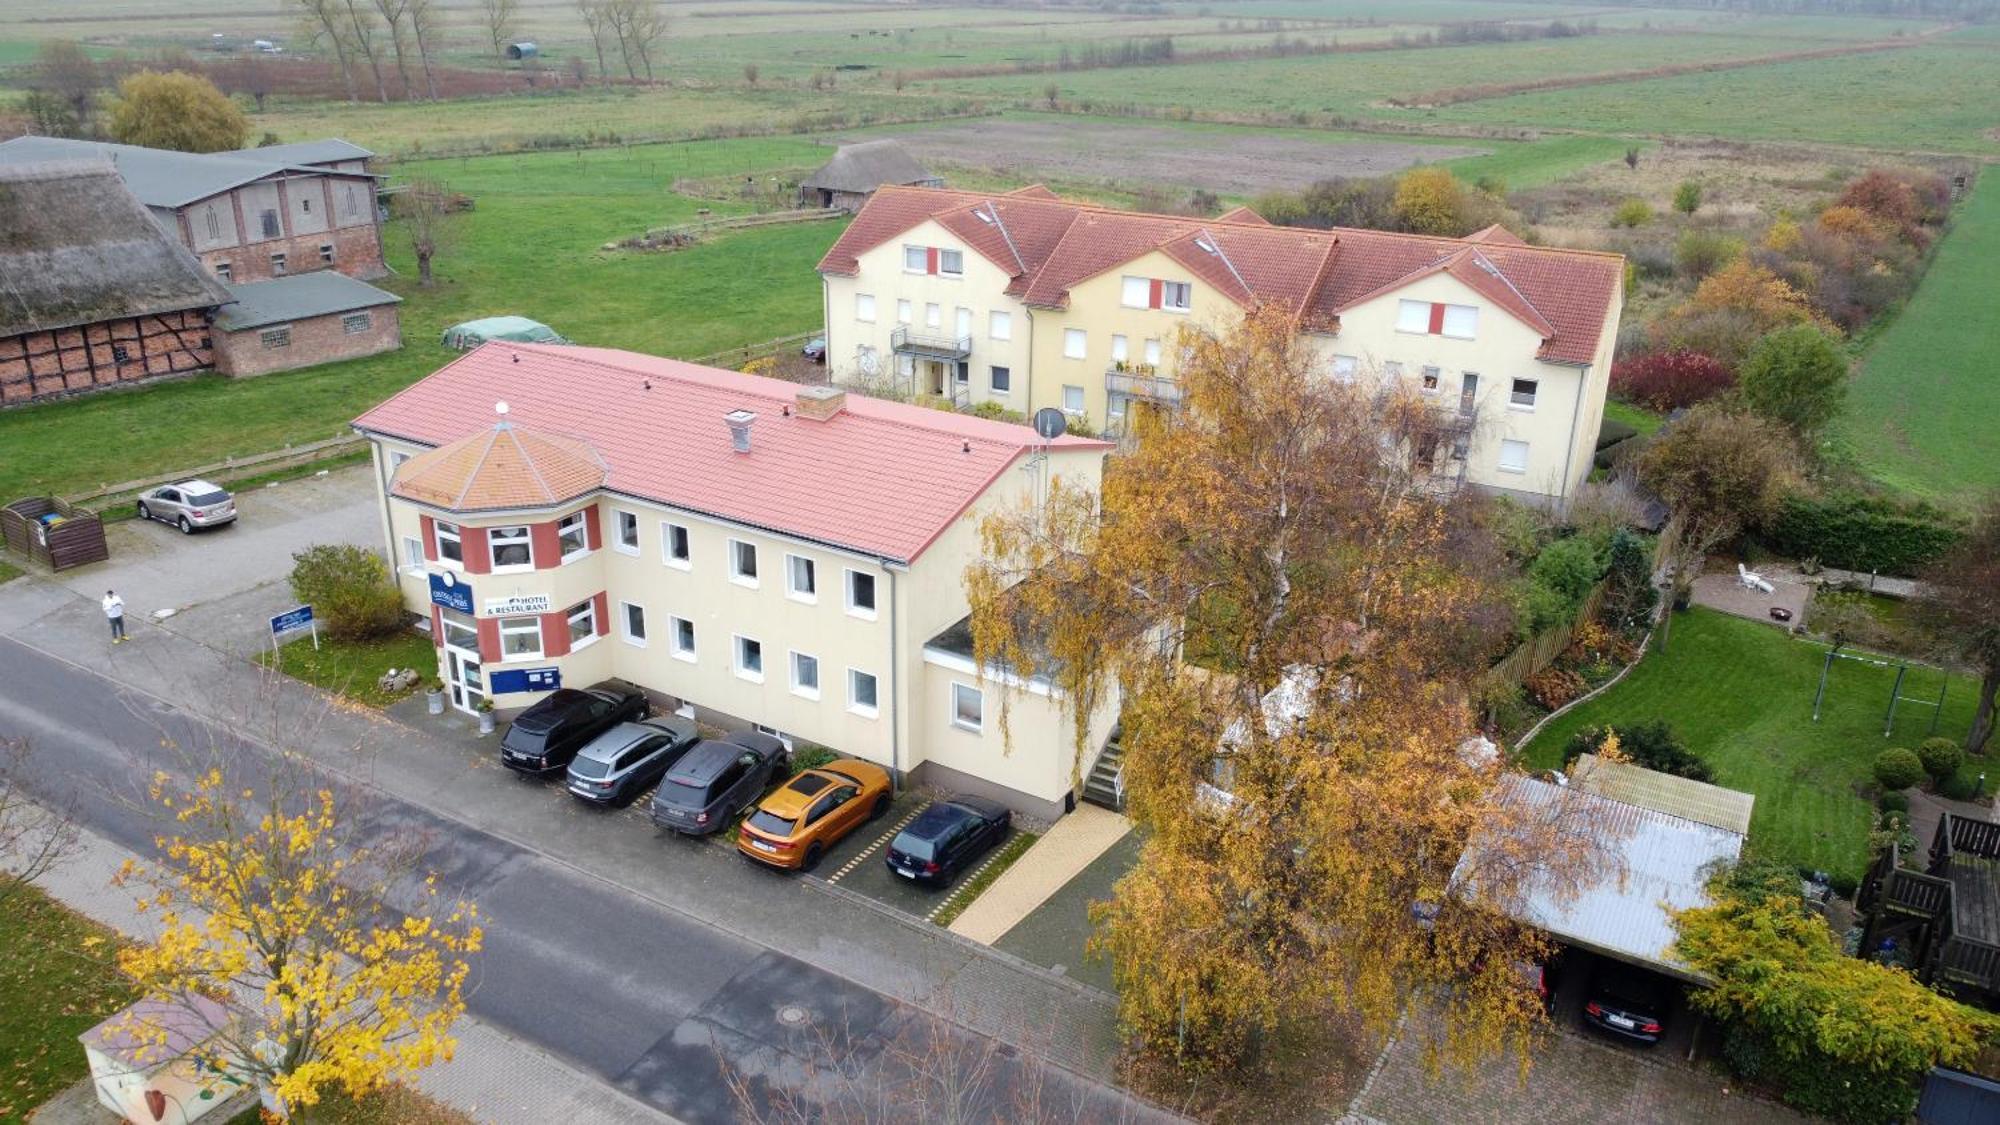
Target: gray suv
619	764
188	505
705	790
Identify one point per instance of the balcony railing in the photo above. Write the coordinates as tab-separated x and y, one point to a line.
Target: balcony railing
905	342
1143	383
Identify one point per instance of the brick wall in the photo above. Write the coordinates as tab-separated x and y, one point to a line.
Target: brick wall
42	365
315	340
357	252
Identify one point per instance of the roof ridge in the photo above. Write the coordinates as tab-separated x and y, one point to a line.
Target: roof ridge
528	459
465	487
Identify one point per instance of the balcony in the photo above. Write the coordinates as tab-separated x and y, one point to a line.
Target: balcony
929	345
1144	383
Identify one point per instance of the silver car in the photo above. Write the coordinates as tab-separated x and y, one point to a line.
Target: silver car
626	760
188	505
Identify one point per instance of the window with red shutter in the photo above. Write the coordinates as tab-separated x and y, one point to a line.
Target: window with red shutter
1437	318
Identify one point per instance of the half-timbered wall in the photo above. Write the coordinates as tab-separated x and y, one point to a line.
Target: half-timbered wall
43	365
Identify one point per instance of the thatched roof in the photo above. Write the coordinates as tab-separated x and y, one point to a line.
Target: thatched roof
869	165
77	248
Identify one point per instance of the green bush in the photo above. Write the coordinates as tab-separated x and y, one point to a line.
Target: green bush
1863	533
1653	745
808	756
1824	1088
1699	253
1559	579
350	591
1630	596
1632	213
1941	757
1893	801
1897	769
1958	787
1687	197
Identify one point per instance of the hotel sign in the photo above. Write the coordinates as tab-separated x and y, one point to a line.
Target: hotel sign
517	605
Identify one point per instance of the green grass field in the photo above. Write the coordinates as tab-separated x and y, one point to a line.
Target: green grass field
60	979
1920	415
351	668
1740	693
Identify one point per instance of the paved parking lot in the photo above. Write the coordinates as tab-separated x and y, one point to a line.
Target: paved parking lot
1053	935
856	864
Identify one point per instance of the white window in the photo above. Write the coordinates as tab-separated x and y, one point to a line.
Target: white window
413	553
750	659
674	545
1137	292
1461	321
448	547
861	697
353	324
521	638
1000	379
277	265
582	623
1523	395
916	259
1000	325
968	707
1413	316
1513	456
460	631
1120	351
951	263
326	255
961	324
509	548
805	675
742	562
902	311
1344	367
1075	343
861	593
682	632
633	617
572	536
628	532
222	271
1176	296
933	316
801	578
864	307
1153	353
1072	399
1432	379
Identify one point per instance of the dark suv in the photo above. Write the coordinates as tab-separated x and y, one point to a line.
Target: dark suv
947	838
716	780
1628	1002
626	760
544	738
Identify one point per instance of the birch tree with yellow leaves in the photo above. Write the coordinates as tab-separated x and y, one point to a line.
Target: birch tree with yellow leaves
339	962
1304	795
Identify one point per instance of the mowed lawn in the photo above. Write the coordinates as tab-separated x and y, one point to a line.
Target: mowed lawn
1740	694
60	978
1920	415
532	245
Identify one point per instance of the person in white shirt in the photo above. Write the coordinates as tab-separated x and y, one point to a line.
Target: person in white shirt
114	611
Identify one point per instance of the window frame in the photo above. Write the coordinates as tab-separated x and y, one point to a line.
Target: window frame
581	528
864	308
1121	348
639	639
946	256
1471	331
1170	289
999	324
1404	308
684	559
587	610
675	626
1152	352
280	263
854	704
1501	464
959	692
737	654
751	579
439	531
795	665
905	311
619	516
1514	399
326	253
1346	368
1080	338
1080	407
275	337
355	323
1130	284
923	257
517	627
496	539
869	612
1004	383
413	554
792	572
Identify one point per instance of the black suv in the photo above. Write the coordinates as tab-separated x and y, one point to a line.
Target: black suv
947	837
544	738
716	780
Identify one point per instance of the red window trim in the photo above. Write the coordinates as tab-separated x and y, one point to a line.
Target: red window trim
600	616
489	639
931	260
473	544
437	627
430	538
1154	298
544	549
555	633
1437	318
593	532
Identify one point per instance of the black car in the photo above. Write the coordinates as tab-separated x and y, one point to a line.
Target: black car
947	837
544	738
717	779
1628	1002
624	761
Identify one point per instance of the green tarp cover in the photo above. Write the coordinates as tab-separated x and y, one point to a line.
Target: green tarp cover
518	329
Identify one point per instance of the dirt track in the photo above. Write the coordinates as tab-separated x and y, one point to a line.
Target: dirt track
1133	156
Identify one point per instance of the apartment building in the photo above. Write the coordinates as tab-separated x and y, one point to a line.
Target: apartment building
753	551
1030	301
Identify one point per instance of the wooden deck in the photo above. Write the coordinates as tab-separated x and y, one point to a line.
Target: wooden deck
1975	897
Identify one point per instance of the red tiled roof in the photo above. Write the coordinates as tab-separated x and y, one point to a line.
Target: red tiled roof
501	467
881	478
1049	245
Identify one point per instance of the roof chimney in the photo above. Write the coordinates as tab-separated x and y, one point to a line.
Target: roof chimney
821	403
739	428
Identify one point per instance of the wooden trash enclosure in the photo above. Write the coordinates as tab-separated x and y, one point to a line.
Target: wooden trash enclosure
74	538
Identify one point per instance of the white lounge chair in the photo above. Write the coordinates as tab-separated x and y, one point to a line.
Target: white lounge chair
1751	580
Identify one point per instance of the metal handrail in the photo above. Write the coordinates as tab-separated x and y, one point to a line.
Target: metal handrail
903	339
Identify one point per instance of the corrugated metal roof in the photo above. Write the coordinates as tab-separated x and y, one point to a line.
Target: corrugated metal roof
1663	792
320	293
161	177
327	151
1663	863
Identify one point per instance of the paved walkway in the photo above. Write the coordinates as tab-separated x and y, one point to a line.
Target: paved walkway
491	1076
1905	588
1042	870
1720	590
1928	809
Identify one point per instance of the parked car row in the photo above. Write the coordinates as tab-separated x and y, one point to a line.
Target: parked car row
611	750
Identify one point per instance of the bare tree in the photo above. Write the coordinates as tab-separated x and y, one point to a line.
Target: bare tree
424	207
63	72
1963	603
638	25
250	75
33	837
499	18
596	22
426	21
361	29
320	21
393	13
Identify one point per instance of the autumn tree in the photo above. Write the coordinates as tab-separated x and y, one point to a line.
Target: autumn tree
1796	378
1720	473
1431	201
1963	604
424	208
323	22
341	961
176	111
499	18
63	87
1277	526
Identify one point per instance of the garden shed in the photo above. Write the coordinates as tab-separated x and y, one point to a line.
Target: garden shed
53	533
856	170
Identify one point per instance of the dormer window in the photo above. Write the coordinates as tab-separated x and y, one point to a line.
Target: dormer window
1435	318
933	260
1153	293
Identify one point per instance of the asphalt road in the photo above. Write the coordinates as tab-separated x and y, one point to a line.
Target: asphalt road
653	1000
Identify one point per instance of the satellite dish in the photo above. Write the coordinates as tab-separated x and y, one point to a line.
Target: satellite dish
1051	423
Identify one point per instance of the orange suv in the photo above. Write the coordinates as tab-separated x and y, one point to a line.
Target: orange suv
812	812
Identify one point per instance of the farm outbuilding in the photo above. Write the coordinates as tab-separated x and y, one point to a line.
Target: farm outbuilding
856	170
311	318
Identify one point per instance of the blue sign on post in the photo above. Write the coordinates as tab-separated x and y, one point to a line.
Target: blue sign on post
451	592
291	621
526	679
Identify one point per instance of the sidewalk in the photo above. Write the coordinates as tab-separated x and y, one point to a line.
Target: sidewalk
1042	870
491	1077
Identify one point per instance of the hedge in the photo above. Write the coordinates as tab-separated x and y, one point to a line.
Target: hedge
1862	533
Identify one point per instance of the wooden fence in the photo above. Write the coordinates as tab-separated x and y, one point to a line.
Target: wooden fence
733	358
681	233
73	538
1542	649
251	465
